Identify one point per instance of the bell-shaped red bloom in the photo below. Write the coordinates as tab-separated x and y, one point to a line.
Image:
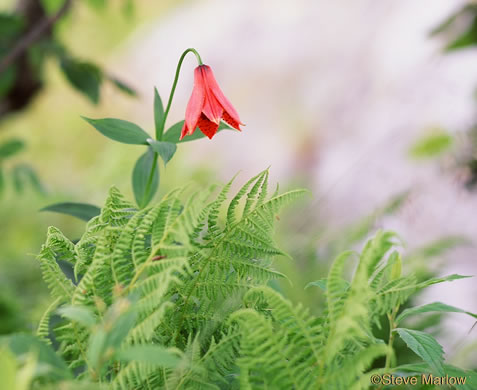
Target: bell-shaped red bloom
208	105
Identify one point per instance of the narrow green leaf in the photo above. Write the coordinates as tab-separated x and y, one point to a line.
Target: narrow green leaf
425	346
2	180
174	133
83	76
158	114
141	175
97	347
82	211
119	130
80	314
121	328
152	354
10	148
432	145
122	86
432	307
165	149
443	279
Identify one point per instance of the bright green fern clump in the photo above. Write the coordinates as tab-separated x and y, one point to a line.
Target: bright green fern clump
177	296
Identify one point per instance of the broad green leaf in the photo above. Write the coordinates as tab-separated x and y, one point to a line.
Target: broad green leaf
165	149
119	130
84	76
432	307
82	211
174	133
141	177
432	145
122	86
158	114
425	346
10	148
22	343
152	354
80	314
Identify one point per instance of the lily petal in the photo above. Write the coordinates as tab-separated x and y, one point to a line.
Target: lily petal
196	102
207	127
213	86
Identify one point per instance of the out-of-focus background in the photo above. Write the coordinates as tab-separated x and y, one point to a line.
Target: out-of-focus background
356	101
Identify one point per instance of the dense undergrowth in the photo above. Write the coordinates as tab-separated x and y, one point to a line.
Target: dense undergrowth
177	296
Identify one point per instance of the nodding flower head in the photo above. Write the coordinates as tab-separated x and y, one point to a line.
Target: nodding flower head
208	105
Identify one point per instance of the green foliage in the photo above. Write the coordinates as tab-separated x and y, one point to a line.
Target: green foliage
19	174
82	211
432	145
177	296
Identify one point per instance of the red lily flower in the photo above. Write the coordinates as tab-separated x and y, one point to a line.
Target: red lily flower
208	105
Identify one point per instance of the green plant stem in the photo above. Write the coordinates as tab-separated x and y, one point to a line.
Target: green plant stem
392	326
151	176
160	130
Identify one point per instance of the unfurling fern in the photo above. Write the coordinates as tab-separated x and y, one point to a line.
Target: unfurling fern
177	296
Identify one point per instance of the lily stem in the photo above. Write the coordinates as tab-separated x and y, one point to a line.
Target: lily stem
160	130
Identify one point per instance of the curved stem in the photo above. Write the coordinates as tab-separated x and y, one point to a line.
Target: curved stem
160	130
151	177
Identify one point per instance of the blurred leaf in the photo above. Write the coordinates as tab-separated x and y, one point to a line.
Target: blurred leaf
84	76
140	178
82	315
425	346
468	38
10	26
7	79
158	114
52	6
17	179
431	145
22	343
82	211
33	177
165	149
10	148
432	307
122	86
438	247
396	269
174	133
318	283
152	354
119	130
8	369
98	4
449	278
97	347
128	8
121	328
2	180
